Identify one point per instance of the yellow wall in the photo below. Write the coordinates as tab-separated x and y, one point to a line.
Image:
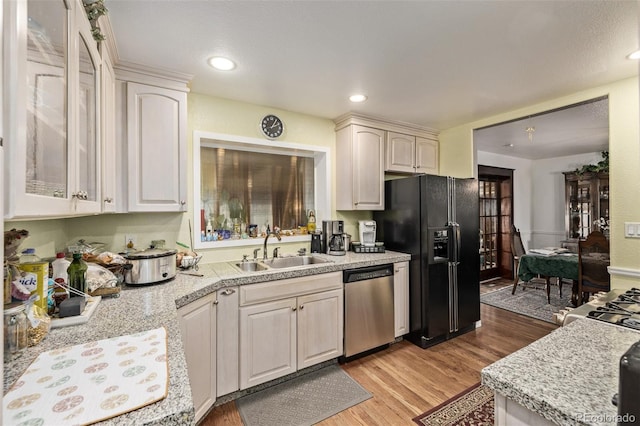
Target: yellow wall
624	159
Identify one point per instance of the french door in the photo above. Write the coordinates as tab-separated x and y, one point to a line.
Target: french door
495	187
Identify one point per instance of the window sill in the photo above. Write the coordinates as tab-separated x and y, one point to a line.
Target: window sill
250	241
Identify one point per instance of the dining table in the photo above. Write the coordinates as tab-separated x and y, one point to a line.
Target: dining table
561	266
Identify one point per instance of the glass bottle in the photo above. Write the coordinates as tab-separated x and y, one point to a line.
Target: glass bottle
311	222
77	272
15	329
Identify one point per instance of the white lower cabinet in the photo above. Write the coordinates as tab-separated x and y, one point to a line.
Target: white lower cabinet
401	298
288	325
320	327
228	329
198	328
267	341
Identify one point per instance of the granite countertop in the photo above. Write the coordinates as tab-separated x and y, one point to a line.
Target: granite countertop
568	376
142	308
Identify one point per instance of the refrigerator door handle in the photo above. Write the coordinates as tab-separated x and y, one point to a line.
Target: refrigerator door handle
453	297
455	242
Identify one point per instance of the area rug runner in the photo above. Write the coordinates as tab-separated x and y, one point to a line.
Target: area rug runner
305	400
472	407
530	302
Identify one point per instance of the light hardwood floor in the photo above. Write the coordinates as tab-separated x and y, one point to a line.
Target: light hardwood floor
406	380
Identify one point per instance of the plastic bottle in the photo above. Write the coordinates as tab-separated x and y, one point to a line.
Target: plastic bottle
29	256
59	274
77	271
34	276
209	231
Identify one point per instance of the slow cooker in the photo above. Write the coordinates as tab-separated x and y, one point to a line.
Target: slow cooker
150	266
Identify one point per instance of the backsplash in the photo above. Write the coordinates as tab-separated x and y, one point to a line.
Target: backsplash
48	236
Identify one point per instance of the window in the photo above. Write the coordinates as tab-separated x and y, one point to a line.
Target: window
243	182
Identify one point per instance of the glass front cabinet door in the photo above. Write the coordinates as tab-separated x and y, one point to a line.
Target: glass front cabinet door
52	136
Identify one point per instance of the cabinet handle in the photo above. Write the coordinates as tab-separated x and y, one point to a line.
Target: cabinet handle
228	291
294	309
80	195
108	200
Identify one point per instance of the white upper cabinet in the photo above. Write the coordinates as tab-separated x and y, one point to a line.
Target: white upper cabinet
427	156
53	124
109	152
156	129
360	168
400	153
368	147
410	154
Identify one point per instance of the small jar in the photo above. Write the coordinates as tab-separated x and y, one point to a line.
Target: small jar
15	329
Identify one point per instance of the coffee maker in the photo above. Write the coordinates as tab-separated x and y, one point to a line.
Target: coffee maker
333	237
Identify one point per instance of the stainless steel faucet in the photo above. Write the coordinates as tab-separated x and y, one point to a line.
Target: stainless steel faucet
264	250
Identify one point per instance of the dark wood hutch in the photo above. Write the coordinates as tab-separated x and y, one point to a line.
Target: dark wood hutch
587	206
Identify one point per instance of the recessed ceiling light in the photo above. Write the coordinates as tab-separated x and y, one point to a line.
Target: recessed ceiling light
222	64
357	98
634	55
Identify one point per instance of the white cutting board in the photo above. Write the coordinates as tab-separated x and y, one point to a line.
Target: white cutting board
89	309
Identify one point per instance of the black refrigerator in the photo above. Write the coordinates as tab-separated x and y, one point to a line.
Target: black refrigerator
436	220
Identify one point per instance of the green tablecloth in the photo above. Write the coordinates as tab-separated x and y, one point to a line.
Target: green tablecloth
561	265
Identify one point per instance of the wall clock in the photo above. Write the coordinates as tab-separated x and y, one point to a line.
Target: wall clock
272	126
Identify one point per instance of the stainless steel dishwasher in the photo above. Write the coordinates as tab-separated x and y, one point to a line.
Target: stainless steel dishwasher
368	308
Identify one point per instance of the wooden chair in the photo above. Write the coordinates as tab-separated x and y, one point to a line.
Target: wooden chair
593	259
518	250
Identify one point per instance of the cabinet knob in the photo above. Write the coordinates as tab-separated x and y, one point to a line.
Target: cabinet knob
228	291
108	200
294	309
301	307
215	302
183	202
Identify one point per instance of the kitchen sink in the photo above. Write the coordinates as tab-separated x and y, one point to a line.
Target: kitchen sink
294	261
279	263
251	266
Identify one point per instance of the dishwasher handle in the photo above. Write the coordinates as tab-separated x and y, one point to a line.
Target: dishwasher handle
367	273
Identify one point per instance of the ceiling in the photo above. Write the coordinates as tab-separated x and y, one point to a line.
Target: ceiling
578	129
432	63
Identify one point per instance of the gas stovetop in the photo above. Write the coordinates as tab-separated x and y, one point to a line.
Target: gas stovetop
623	311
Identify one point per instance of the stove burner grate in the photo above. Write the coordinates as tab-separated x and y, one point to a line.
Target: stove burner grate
630	323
